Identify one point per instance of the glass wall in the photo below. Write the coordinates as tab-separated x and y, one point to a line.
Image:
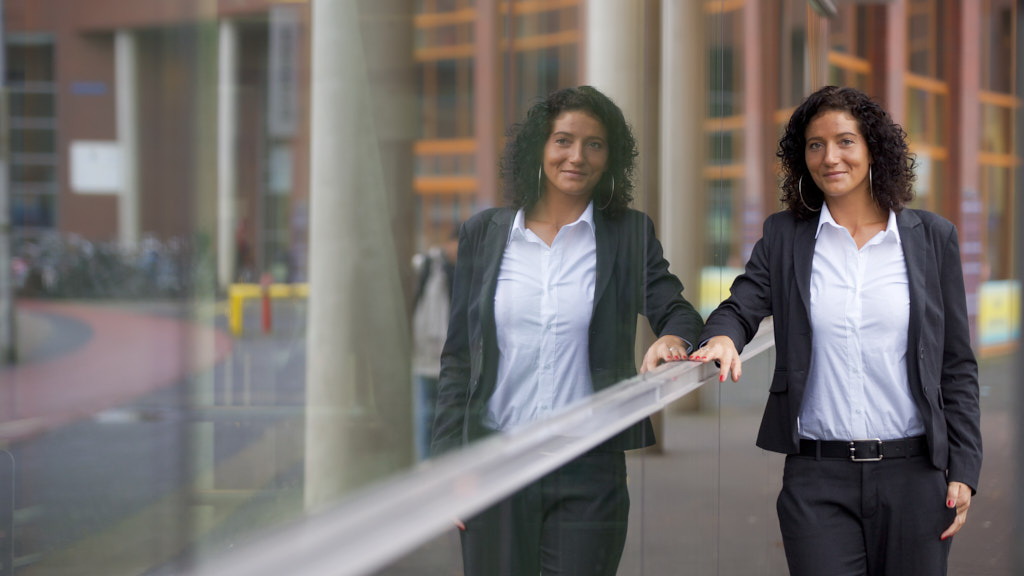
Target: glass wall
233	227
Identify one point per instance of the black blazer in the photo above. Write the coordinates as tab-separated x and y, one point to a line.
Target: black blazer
942	372
632	278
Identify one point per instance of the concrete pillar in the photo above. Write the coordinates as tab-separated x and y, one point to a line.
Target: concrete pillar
126	80
227	160
754	152
488	117
388	34
896	65
358	418
683	84
963	201
683	199
614	63
818	47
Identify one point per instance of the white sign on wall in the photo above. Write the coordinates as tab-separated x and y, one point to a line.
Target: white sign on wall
96	167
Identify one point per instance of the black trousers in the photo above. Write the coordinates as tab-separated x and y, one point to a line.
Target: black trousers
570	522
845	518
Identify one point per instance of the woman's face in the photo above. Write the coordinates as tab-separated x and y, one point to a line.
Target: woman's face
837	155
575	154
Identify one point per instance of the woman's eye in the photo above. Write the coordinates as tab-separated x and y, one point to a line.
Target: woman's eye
596	145
562	141
814	145
847	142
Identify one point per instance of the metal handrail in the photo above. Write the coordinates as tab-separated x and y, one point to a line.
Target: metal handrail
380	524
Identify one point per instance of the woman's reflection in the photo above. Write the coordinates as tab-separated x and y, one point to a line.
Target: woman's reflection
544	307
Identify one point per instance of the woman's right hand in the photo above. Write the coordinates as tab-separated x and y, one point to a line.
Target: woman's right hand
722	349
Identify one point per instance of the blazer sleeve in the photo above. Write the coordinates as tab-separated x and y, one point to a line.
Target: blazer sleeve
453	382
664	305
959	380
750	299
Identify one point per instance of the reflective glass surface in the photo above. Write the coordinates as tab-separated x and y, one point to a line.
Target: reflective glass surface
232	230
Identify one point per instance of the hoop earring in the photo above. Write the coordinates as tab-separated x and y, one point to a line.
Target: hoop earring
540	174
800	193
610	195
871	185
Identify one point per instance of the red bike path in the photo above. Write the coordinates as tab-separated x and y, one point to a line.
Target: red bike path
125	354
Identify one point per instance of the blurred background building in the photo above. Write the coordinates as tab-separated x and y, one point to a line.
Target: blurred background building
117	111
161	151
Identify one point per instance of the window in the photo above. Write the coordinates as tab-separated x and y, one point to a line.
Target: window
32	133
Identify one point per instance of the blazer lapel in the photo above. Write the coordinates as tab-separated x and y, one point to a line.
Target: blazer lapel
914	248
607	233
494	249
803	253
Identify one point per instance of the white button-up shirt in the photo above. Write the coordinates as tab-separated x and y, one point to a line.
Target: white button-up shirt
542	309
857	384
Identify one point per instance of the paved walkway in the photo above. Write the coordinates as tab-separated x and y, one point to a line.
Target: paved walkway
703	506
80	359
706	504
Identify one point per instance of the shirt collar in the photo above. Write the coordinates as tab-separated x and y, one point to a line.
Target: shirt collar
891	227
518	230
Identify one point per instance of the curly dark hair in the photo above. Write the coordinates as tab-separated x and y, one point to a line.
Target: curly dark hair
892	168
524	149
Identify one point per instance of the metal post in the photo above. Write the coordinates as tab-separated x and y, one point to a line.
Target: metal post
1018	147
8	339
6	514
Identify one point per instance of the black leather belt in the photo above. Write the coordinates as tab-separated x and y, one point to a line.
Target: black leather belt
864	450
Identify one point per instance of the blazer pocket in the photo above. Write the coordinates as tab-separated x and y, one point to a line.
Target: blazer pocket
780	381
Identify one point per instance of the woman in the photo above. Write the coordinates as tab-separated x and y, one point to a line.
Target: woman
872	342
544	306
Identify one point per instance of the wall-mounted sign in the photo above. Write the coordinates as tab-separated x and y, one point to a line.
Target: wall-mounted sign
96	167
84	88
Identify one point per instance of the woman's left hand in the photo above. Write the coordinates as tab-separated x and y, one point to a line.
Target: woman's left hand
959	495
665	349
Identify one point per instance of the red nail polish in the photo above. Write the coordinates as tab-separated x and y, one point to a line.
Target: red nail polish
677	357
721	378
950	503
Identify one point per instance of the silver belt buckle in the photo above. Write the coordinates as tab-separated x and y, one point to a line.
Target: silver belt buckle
853	450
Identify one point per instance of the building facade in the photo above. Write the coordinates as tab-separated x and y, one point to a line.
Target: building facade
220	93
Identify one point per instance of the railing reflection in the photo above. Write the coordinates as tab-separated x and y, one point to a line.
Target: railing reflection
6	513
378	525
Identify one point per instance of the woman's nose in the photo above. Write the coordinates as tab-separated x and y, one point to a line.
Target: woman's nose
831	154
576	154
